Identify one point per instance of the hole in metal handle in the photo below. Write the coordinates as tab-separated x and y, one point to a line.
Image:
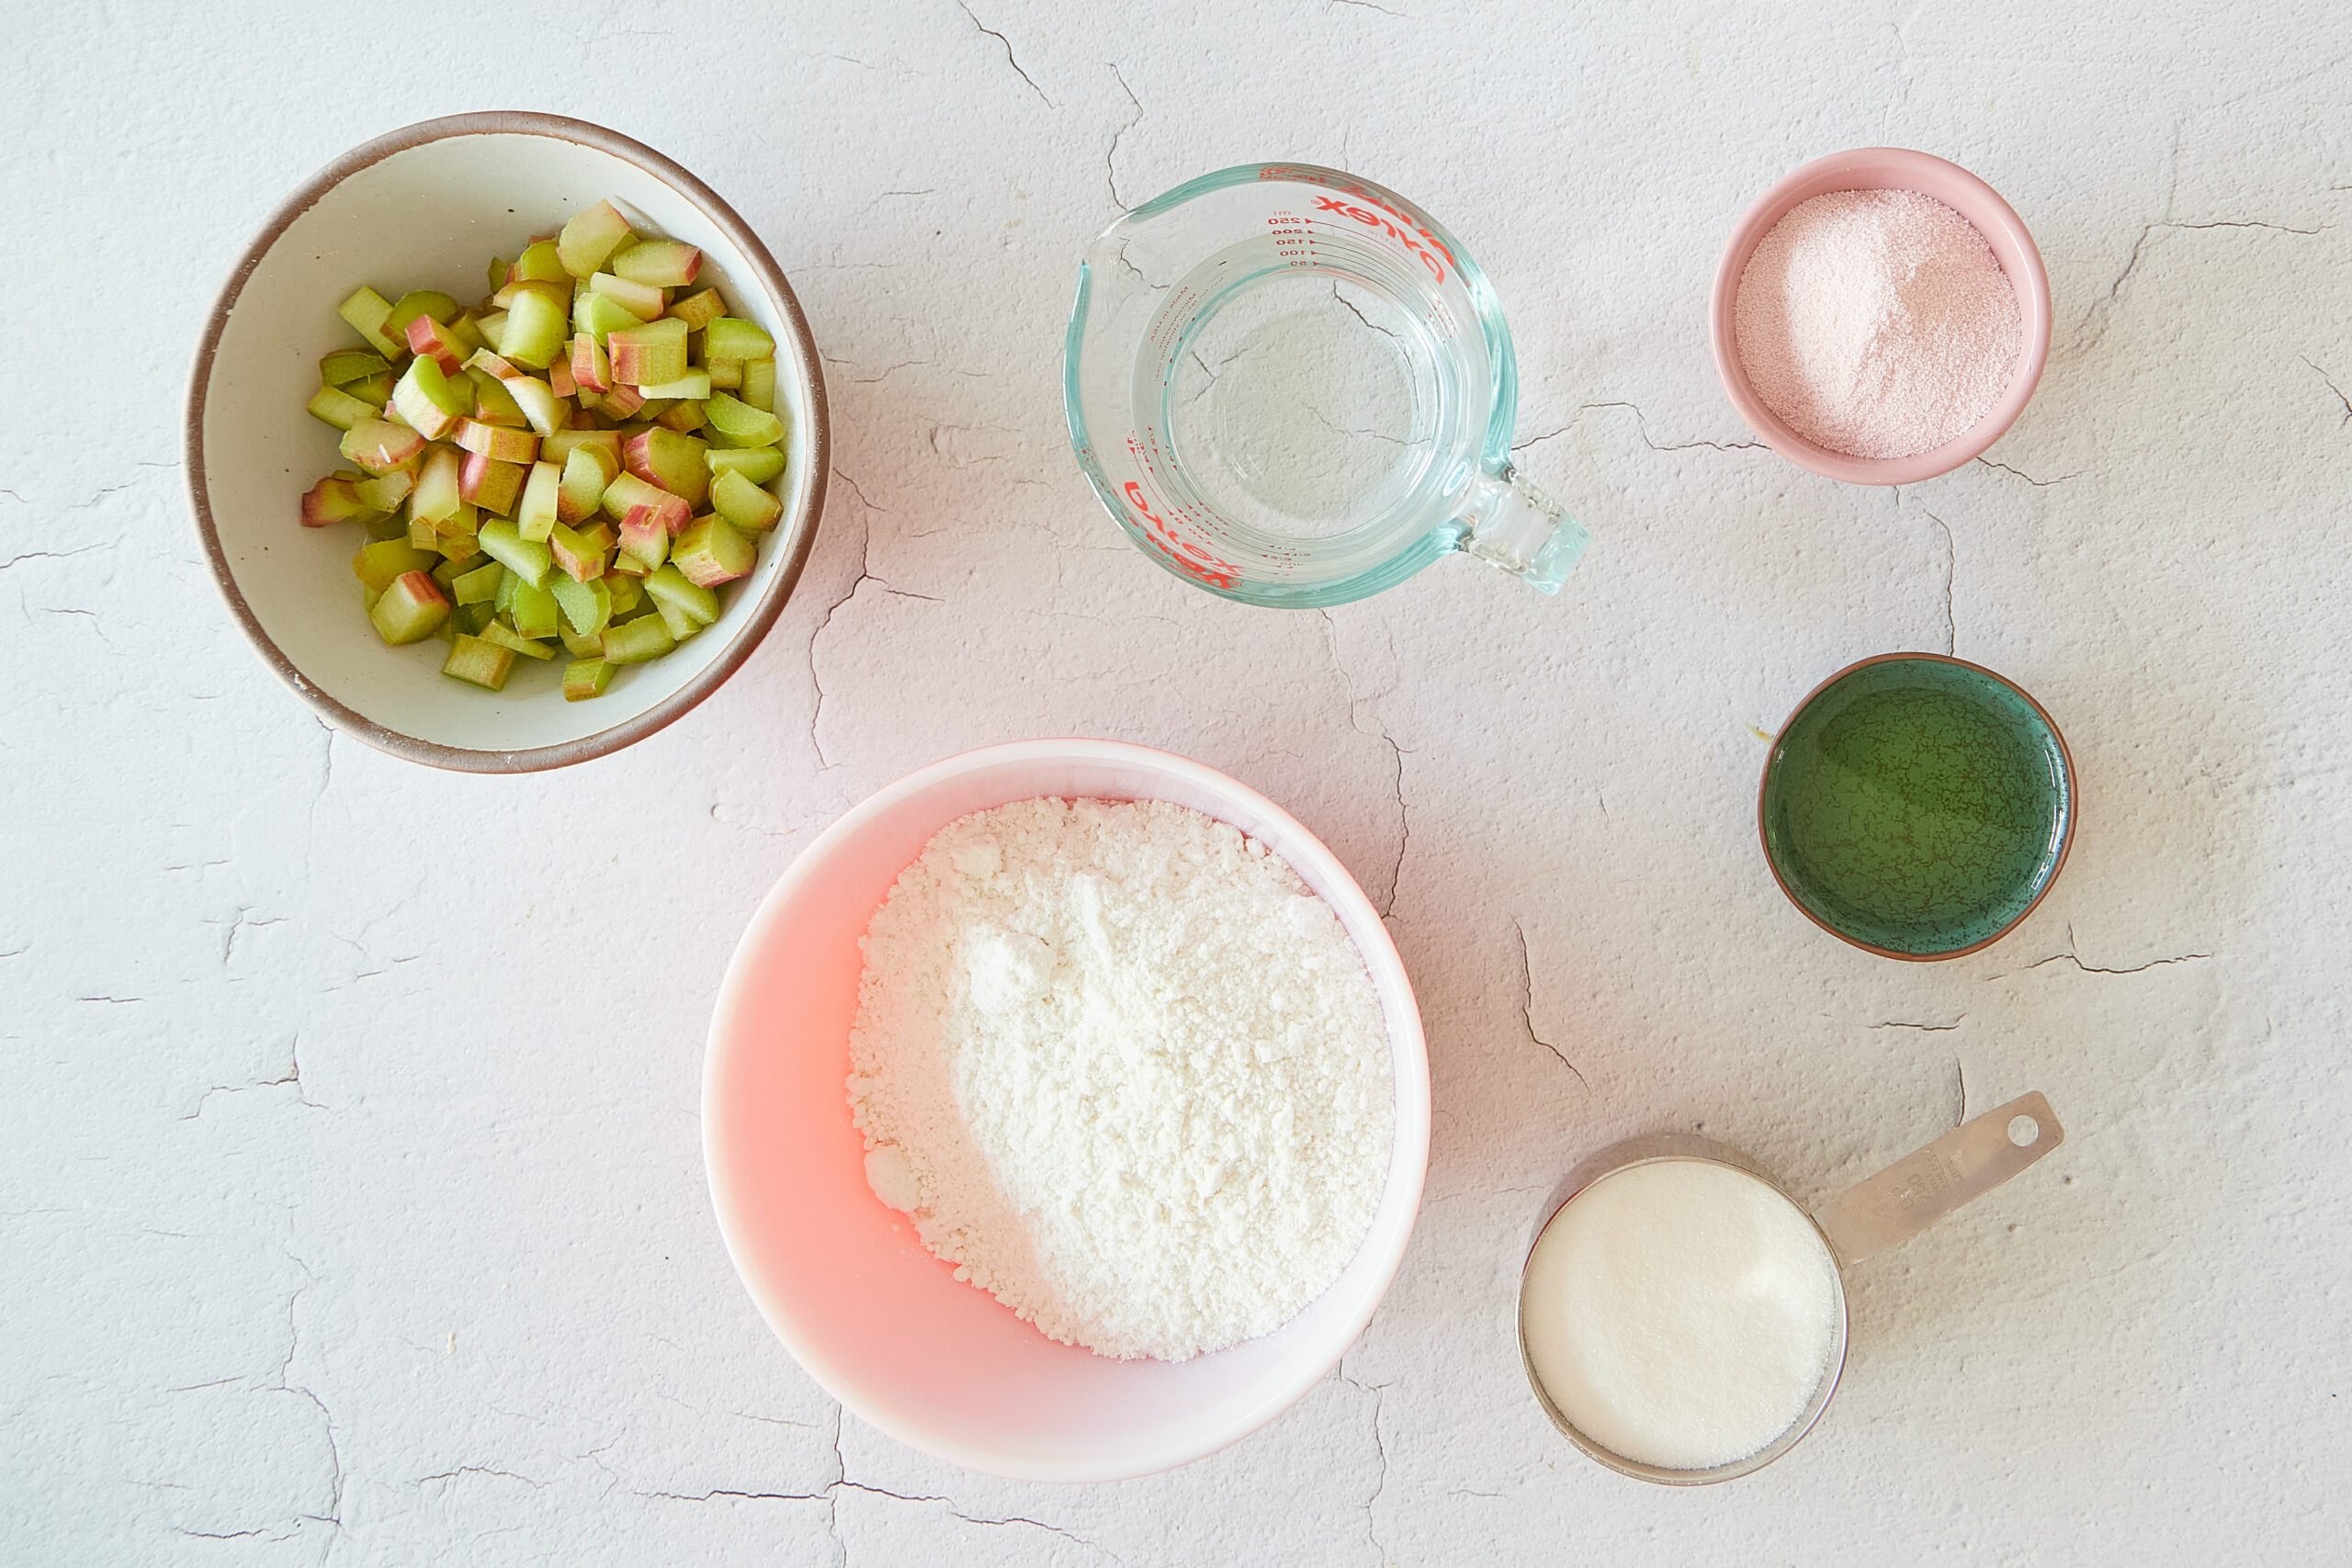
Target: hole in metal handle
2023	1131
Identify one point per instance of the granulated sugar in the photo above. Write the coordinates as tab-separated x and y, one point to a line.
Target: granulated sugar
1125	1070
1877	322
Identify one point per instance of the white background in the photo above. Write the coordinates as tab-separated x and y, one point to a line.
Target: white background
351	1195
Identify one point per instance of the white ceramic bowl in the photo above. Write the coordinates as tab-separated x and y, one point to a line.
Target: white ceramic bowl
426	207
844	1279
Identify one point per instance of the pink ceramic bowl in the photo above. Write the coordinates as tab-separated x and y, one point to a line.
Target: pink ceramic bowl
845	1281
1886	168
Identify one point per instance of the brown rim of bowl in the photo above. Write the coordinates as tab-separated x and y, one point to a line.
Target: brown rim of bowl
521	122
2066	843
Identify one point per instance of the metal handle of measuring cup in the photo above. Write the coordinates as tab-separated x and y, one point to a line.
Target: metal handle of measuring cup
1955	1170
1508	523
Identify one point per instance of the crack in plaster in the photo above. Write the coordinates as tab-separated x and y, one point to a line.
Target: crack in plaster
1009	58
1527	1003
1111	154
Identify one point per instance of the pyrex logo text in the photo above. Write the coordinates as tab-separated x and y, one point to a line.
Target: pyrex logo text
1410	239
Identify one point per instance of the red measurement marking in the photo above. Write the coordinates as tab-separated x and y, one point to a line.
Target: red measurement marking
1180	553
1408	230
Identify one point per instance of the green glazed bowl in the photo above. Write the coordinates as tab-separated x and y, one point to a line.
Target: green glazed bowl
1916	806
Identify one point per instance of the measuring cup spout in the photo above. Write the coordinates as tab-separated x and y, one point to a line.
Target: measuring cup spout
1508	523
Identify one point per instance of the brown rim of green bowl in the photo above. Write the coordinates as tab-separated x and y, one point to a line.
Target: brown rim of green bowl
522	122
2066	844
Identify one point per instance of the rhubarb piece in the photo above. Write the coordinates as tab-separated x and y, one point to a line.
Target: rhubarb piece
346	365
469	619
557	448
437	497
759	384
429	401
680	626
560	380
493	404
644	538
670	586
374	391
593	234
492	483
589	370
577	646
587	607
541	261
412	606
698	310
666	263
642	300
620	402
726	375
496	441
526	558
533	332
711	552
483	663
535	509
684	415
477	585
427	337
758	464
649	355
514	642
737	423
460	545
671	460
533	611
634	642
423	536
332	500
386	492
600	315
466	333
378	445
380	564
625	592
625	492
693	384
586	472
492	327
576	553
732	337
418	302
537	400
743	504
339	408
587	678
366	312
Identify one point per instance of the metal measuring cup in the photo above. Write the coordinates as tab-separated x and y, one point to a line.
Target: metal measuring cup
1871	1217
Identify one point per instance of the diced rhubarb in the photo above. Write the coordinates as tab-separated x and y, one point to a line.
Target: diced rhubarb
437	497
726	375
711	552
526	558
625	593
332	501
496	441
515	642
681	625
477	585
378	445
737	423
466	333
541	261
649	355
671	586
380	564
620	402
533	610
684	415
758	464
483	663
537	402
386	492
759	384
693	384
589	370
671	460
644	538
560	380
490	483
577	646
666	263
427	337
412	606
585	678
634	642
643	300
430	401
469	619
625	492
743	504
698	310
576	553
366	312
557	448
533	332
418	302
339	408
586	605
374	391
493	404
732	337
599	315
491	325
346	365
591	235
535	509
586	472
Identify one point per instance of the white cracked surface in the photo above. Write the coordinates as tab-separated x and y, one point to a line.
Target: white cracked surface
351	1217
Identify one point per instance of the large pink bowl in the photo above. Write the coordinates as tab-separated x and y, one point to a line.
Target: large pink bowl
843	1280
1885	168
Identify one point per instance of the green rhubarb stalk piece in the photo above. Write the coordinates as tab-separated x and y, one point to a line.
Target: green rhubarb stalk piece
526	558
760	465
332	500
366	312
759	384
410	609
732	337
743	504
693	384
726	375
586	473
514	642
587	678
496	441
380	446
601	315
535	510
698	310
591	235
418	302
664	264
576	553
625	493
680	625
557	448
470	619
643	300
684	415
711	552
541	261
671	460
644	538
429	401
670	586
534	612
533	332
346	365
647	356
483	663
428	337
478	585
339	408
625	592
386	492
489	483
634	642
380	564
493	404
437	497
587	607
734	423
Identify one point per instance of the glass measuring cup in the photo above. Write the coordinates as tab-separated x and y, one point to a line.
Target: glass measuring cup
1869	1217
1292	388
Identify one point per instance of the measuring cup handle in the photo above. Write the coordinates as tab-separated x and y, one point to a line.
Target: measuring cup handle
1956	1170
1508	523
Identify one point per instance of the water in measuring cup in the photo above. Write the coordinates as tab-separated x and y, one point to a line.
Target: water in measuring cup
1304	403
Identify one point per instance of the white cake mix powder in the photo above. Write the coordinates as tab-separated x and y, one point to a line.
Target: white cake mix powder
1125	1070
